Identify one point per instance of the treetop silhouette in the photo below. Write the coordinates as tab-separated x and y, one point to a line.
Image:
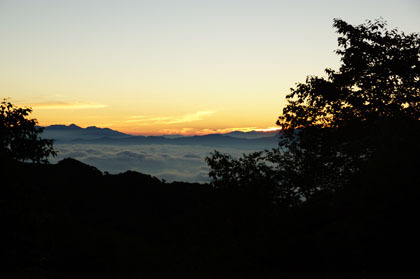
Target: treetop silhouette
333	126
20	137
378	77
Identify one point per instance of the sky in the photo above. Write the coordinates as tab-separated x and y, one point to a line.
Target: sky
172	66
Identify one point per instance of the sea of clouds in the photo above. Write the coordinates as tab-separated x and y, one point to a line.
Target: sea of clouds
169	162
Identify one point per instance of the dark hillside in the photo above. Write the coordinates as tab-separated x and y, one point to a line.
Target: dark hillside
68	220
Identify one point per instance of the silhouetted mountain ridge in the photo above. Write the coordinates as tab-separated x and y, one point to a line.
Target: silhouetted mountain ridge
95	135
252	134
72	131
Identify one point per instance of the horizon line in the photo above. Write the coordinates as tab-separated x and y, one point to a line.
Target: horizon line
201	132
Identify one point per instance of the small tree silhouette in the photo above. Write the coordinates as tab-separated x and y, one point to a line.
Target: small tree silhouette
19	136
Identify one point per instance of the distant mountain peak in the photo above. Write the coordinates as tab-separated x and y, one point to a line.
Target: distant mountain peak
74	126
94	127
72	131
62	126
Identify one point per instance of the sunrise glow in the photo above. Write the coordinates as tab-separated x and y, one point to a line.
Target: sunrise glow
175	67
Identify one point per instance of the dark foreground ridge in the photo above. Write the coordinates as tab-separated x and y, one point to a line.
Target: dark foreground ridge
68	220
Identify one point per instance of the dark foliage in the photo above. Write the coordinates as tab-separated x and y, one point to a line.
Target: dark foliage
68	220
20	137
333	126
370	106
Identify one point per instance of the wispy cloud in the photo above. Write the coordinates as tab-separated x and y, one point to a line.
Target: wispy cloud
64	105
167	120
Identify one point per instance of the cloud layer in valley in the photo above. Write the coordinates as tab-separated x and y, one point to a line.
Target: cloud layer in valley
169	162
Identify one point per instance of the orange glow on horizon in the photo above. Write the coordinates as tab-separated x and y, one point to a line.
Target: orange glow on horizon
271	129
186	67
202	132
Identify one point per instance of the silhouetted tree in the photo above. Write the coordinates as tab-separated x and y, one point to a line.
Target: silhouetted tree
333	125
368	106
19	135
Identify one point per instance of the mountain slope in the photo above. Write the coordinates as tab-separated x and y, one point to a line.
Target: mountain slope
71	132
93	135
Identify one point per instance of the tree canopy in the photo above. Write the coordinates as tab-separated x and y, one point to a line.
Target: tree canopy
333	125
378	78
20	137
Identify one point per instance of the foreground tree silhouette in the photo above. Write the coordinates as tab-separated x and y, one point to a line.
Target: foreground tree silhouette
20	137
334	125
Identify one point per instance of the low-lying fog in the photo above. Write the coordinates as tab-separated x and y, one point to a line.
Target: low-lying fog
169	162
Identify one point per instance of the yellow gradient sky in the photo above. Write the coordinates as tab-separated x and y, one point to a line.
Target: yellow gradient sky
168	66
